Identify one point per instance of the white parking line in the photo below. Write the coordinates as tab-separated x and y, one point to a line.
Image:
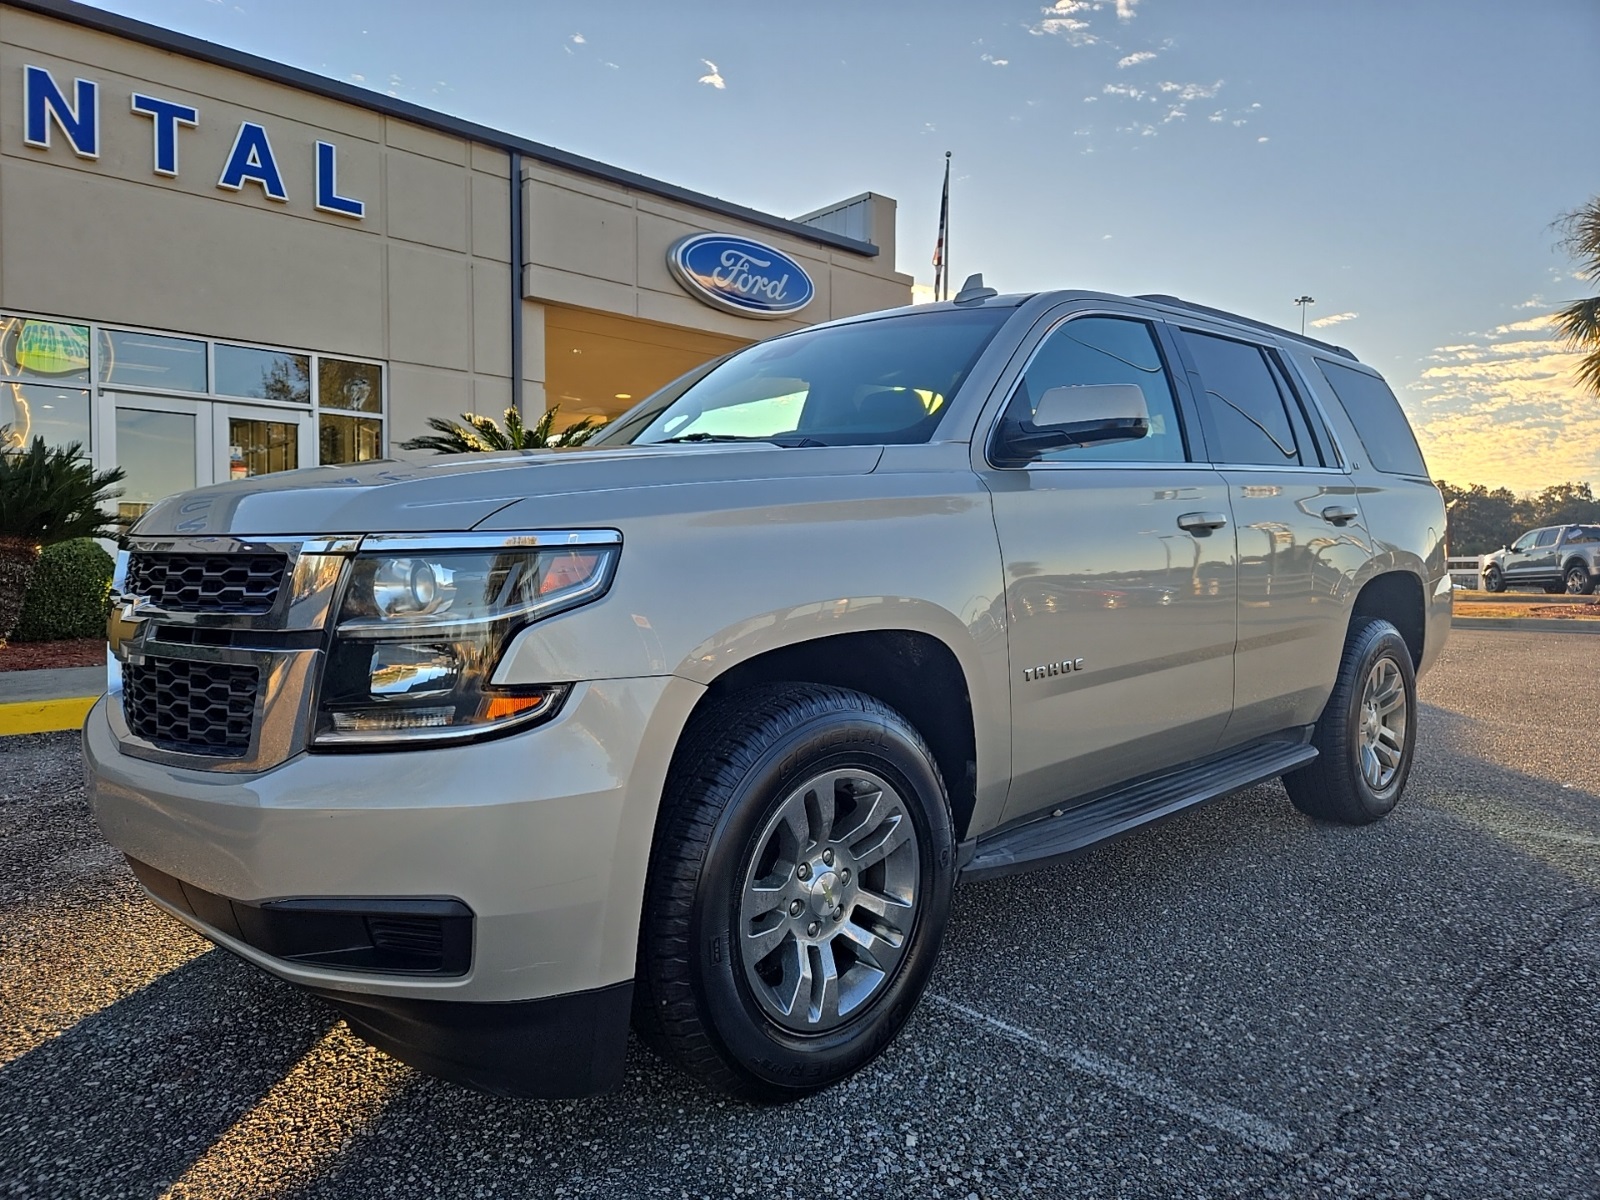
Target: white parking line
1247	1127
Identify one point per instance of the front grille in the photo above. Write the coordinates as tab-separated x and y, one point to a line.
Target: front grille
206	583
191	707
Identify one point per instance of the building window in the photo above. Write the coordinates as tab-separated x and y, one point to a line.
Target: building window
123	395
263	374
152	360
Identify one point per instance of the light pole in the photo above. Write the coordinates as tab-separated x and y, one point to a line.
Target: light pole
1302	301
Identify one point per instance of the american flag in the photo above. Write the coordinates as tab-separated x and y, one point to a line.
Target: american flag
941	281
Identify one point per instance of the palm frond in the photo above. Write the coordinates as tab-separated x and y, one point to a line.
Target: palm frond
477	434
1580	237
53	493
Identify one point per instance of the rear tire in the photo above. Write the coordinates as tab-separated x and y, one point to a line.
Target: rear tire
798	890
1578	580
1365	735
1493	581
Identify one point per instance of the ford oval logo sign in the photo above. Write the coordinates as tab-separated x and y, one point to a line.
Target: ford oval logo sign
740	276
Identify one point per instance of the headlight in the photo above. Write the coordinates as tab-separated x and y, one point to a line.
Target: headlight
423	624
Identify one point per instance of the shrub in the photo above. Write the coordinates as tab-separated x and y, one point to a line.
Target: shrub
67	598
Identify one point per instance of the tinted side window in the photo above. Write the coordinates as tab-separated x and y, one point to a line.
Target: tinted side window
1583	533
1092	350
1547	537
1525	542
1246	406
1383	428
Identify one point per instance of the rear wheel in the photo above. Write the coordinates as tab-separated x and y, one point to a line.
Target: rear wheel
1493	581
1366	733
798	891
1579	581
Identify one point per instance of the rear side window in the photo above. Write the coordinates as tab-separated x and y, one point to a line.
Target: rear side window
1583	533
1247	406
1384	430
1547	537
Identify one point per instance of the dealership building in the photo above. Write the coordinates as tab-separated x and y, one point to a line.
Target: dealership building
213	265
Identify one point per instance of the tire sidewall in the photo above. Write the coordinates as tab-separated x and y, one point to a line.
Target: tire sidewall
1385	642
779	1059
1494	580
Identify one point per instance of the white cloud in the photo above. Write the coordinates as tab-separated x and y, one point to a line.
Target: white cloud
989	58
1192	91
1125	9
1335	319
358	79
1259	140
1533	301
1173	114
1133	60
1506	411
1105	237
715	78
1123	89
578	39
1216	116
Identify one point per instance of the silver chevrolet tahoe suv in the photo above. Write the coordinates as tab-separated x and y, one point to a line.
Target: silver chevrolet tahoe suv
698	727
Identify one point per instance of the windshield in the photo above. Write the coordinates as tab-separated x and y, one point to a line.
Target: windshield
882	382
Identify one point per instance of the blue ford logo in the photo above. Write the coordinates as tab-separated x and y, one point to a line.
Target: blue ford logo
739	275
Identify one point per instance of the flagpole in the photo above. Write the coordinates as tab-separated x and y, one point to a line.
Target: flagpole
941	249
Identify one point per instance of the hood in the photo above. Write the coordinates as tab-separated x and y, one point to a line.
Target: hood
454	492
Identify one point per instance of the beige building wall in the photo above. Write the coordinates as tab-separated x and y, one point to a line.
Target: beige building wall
423	282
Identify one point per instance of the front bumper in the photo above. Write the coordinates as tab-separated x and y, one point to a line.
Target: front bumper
544	835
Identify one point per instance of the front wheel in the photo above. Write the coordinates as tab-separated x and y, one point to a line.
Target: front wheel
1493	581
1365	735
1579	581
798	890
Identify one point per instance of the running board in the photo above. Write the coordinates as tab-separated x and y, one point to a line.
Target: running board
1070	831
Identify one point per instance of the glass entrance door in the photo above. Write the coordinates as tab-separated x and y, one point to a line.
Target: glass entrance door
163	446
260	441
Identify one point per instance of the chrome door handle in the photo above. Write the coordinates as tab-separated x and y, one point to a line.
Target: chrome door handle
1202	522
1337	514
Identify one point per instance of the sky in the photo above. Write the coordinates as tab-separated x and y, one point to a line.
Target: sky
1401	161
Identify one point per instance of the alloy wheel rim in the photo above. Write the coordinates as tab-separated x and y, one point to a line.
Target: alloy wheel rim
829	900
1575	580
1383	720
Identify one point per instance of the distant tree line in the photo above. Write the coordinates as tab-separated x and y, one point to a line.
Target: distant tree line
1481	520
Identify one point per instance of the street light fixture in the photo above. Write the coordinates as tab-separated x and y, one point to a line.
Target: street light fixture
1302	301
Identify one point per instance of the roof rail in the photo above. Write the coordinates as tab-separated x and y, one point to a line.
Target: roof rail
1175	302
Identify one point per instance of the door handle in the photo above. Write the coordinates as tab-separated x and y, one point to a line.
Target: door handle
1202	523
1338	514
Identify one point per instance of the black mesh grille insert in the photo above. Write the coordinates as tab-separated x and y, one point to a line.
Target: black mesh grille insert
191	707
207	583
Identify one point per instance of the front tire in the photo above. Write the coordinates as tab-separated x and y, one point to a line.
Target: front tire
798	890
1579	581
1366	733
1493	580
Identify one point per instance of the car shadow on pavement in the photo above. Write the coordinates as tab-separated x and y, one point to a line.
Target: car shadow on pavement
128	1097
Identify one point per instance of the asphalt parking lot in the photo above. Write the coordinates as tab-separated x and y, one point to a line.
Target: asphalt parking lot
1237	1003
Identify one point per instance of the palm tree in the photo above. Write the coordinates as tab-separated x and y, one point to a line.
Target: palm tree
483	434
47	494
1579	322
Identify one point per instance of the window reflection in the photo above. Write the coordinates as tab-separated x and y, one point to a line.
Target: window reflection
349	439
152	360
263	374
29	410
350	385
156	450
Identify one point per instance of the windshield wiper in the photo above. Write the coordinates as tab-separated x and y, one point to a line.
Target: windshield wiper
775	439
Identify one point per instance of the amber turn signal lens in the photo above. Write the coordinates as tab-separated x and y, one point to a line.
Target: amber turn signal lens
499	708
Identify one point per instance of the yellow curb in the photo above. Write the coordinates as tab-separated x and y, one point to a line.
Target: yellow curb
44	716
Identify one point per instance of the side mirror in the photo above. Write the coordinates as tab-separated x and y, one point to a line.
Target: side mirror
1082	415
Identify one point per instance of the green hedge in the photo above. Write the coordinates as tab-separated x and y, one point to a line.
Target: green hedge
67	598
